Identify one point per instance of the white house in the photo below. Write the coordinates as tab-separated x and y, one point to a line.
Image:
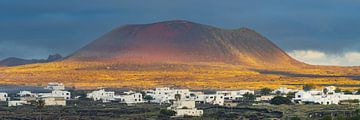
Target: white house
105	96
26	93
130	97
17	103
4	96
306	96
283	90
165	94
185	108
321	97
54	101
205	98
233	95
265	98
222	96
55	86
56	93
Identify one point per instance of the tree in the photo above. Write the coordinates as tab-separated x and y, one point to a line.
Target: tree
295	118
143	94
328	117
279	100
265	91
357	112
148	98
337	90
290	95
248	97
167	113
308	87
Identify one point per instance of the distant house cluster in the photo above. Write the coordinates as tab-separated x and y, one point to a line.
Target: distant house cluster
183	101
57	96
326	96
108	96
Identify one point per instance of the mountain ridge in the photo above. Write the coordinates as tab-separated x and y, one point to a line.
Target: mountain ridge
14	61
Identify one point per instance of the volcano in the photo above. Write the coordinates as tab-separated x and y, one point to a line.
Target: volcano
182	54
184	41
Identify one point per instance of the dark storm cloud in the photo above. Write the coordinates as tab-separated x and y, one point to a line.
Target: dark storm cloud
33	29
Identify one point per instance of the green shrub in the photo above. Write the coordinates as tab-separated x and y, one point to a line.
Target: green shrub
295	118
168	113
279	100
308	87
265	91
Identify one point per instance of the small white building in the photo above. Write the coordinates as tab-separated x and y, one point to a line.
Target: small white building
130	97
165	94
323	97
17	103
205	98
222	96
56	93
283	90
185	108
54	101
265	98
104	96
4	96
55	86
26	93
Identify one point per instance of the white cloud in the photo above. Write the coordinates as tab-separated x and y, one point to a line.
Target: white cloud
321	58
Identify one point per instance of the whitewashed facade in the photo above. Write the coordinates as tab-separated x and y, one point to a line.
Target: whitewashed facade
4	96
222	96
105	96
54	101
55	86
26	93
56	93
130	98
185	108
17	103
283	90
327	98
165	95
265	98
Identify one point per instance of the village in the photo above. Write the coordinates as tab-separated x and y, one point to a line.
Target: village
183	102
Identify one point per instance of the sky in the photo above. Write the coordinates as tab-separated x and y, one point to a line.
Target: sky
324	32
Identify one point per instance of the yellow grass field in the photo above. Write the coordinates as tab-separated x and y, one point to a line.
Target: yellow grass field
189	75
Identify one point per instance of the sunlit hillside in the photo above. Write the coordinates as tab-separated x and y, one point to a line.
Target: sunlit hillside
194	75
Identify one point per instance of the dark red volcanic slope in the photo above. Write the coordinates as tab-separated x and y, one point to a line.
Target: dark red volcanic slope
184	41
